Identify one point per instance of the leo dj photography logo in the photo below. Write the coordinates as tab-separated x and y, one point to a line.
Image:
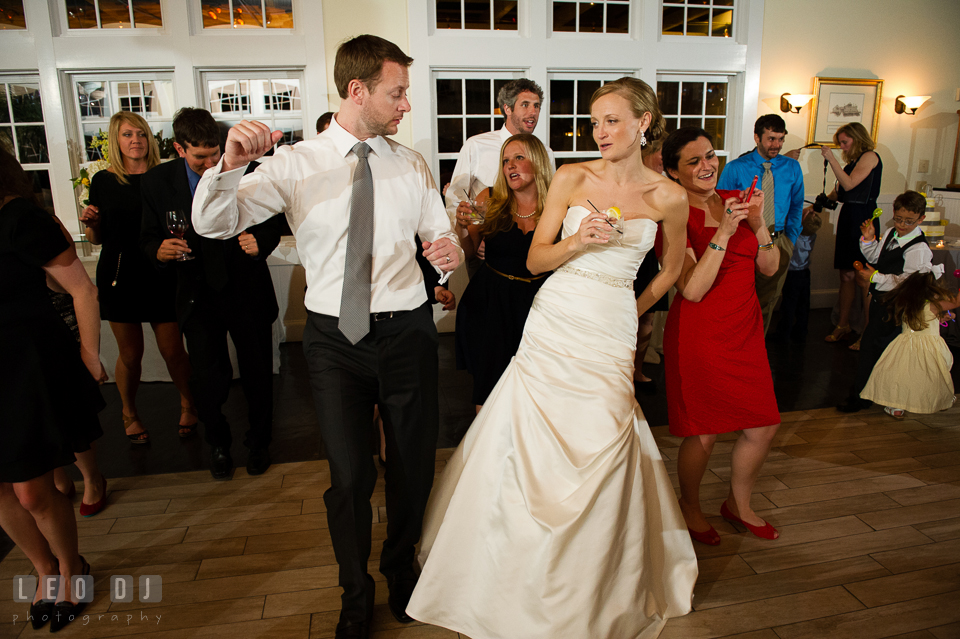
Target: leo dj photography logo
121	590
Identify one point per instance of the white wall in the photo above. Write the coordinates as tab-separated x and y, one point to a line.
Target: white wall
912	46
344	19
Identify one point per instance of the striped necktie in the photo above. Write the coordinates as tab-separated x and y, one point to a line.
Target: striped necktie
355	297
766	183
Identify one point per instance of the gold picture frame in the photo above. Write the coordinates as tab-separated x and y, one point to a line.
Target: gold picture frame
838	101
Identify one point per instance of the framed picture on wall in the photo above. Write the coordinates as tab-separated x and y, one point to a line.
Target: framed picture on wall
839	101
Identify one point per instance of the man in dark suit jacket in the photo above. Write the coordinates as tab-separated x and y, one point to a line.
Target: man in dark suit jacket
225	287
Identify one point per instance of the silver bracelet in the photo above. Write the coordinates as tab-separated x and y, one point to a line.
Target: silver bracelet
766	247
716	247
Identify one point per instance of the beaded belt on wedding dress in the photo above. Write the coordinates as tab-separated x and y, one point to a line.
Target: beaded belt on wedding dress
615	282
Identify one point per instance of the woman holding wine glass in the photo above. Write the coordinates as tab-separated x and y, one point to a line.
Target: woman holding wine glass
495	304
131	290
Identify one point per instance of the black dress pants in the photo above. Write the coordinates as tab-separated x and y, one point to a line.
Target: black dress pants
394	366
877	336
211	373
795	306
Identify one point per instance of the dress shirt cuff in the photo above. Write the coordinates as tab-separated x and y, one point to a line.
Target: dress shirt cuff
226	180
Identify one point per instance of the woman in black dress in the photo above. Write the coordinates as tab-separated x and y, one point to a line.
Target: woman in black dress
49	397
495	304
131	289
858	185
649	268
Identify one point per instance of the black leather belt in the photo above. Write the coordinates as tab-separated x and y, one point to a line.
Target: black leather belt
775	234
385	315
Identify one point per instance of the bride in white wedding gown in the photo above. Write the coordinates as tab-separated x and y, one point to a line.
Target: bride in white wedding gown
555	517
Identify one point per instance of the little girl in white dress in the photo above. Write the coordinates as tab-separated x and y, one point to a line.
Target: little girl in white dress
913	374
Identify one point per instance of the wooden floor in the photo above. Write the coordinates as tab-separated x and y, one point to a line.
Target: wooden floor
868	510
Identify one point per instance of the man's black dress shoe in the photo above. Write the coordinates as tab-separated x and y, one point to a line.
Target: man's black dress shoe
353	630
221	464
854	404
400	591
258	461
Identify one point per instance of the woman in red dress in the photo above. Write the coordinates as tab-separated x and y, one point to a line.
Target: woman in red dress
717	372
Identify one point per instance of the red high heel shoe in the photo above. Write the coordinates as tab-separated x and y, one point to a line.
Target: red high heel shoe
763	532
709	537
89	510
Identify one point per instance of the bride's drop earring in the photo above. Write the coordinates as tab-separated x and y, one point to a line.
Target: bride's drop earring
643	139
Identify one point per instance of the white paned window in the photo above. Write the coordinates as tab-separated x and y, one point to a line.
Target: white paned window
698	18
466	106
247	14
569	130
11	15
697	100
113	14
23	131
272	97
488	15
99	96
600	16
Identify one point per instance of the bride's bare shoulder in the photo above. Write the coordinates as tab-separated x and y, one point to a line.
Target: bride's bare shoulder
666	195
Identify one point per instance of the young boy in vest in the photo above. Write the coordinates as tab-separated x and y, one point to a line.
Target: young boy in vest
901	250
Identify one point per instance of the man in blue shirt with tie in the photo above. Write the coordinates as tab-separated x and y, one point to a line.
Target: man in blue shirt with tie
783	212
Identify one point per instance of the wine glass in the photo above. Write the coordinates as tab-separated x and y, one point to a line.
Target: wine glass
177	224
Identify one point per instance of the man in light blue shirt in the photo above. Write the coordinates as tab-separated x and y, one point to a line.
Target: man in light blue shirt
783	212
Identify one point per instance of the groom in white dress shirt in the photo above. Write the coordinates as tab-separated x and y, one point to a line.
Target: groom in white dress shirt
392	360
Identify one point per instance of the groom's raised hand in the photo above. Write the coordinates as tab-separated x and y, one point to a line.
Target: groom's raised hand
247	141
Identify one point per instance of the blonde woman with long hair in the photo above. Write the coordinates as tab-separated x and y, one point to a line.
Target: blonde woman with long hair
495	305
130	288
858	185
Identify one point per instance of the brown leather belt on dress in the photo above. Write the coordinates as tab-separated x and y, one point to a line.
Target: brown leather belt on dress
514	277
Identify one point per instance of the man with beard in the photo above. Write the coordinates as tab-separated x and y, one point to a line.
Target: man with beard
781	179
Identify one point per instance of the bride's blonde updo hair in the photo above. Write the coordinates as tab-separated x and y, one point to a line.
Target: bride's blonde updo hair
642	100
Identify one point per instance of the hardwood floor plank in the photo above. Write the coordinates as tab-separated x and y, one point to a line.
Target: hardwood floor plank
950	631
919	557
892	589
245	498
941	530
179	553
229	588
910	515
723	567
786	582
926	494
267	562
172	618
829	509
833	549
875	623
207	516
842	489
848	473
942	475
274	525
919	450
297	627
757	615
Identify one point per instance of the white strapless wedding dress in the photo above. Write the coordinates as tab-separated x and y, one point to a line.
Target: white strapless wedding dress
555	518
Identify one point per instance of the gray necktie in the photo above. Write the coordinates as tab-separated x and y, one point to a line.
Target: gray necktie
766	183
355	298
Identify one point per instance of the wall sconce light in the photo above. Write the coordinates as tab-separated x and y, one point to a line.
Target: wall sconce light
909	104
793	103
